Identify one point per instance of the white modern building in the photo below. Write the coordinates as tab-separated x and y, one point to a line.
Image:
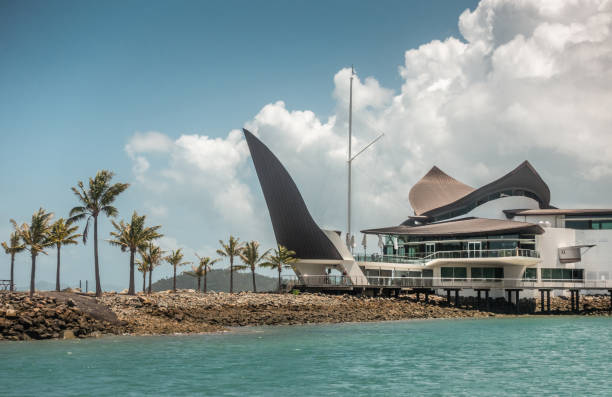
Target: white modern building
503	237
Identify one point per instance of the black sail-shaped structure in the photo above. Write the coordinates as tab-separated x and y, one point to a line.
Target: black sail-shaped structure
293	226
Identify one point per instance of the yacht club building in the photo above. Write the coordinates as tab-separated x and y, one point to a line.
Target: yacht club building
504	236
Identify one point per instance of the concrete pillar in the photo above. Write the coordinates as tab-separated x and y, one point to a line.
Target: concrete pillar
610	300
509	299
448	297
578	300
487	299
457	298
427	296
418	296
478	302
548	301
542	300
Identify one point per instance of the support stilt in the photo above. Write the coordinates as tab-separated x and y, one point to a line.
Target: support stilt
542	300
448	298
478	302
578	300
487	299
457	298
516	296
548	301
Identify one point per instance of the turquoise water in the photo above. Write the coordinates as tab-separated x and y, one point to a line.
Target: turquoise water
533	356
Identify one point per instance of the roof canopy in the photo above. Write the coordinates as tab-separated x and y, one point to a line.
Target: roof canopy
462	227
436	189
437	193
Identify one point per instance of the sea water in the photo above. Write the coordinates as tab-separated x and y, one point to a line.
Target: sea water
510	356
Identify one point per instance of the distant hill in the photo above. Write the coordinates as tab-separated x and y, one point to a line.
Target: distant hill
218	280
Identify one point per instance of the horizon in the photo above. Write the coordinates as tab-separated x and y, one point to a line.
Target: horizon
158	95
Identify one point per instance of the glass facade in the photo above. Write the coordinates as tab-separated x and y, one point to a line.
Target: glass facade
487	272
588	224
531	274
453	272
551	274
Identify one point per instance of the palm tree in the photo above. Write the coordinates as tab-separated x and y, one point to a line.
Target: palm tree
282	258
35	237
151	255
12	248
250	256
62	233
143	268
175	258
205	263
231	250
97	199
132	236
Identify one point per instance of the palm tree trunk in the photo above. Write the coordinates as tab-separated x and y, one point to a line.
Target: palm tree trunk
144	282
57	275
199	279
174	282
150	277
12	286
280	269
97	265
254	286
205	277
33	274
132	287
231	274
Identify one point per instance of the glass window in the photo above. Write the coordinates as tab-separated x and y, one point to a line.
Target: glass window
453	272
488	272
530	273
580	225
562	274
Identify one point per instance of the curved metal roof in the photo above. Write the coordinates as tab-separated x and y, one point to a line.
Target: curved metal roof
293	226
436	189
523	177
461	227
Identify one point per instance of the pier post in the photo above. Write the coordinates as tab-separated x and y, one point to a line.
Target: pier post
571	300
426	296
478	302
487	299
418	296
456	298
610	308
516	295
578	300
509	293
448	301
542	300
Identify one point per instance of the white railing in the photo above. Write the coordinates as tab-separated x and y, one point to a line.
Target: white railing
444	282
499	253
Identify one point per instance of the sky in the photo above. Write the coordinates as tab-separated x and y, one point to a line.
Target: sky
158	91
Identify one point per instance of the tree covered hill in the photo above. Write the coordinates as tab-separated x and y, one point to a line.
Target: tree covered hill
218	280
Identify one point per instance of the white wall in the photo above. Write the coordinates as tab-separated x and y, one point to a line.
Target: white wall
596	261
494	209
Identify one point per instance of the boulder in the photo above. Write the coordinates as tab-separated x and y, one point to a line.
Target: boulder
68	334
10	313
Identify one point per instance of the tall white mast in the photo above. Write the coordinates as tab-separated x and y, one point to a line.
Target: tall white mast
351	158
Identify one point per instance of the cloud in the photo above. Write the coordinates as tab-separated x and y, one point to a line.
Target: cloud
527	80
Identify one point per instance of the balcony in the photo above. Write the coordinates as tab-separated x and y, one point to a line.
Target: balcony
526	257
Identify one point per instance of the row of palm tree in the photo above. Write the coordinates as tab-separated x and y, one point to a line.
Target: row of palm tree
134	237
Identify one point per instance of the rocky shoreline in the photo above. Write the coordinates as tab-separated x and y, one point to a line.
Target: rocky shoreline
55	315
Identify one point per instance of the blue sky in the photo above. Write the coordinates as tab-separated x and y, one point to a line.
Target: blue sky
80	79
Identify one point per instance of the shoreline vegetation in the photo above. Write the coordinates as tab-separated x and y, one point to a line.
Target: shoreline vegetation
68	315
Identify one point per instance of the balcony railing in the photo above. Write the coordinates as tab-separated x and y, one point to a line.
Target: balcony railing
442	282
501	253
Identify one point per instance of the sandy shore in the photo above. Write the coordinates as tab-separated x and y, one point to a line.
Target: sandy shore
66	315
